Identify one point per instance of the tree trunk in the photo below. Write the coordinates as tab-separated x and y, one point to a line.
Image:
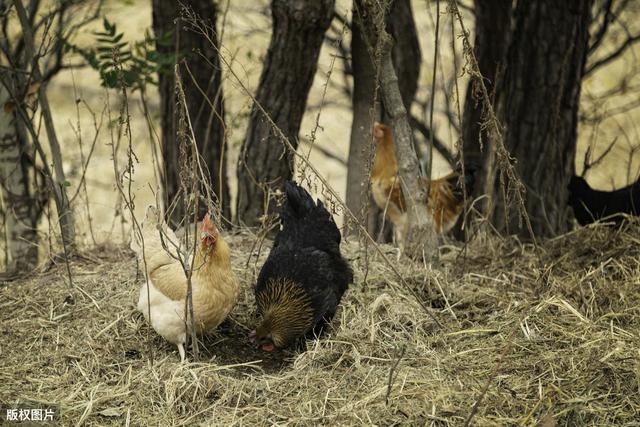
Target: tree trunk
201	75
289	69
405	53
406	58
493	28
538	105
57	180
19	209
421	239
364	115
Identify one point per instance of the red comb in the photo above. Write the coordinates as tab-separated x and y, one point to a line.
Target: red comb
207	224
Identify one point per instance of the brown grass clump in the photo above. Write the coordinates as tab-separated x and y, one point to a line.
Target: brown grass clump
552	335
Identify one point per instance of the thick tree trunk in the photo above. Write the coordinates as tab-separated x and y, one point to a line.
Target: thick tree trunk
538	104
492	32
289	69
19	208
406	58
201	76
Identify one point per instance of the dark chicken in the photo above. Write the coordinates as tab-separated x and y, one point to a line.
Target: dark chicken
302	281
590	205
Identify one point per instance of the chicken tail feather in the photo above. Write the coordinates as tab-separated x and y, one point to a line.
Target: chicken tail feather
306	222
161	246
299	203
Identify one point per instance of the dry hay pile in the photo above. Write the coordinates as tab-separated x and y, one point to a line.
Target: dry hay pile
541	338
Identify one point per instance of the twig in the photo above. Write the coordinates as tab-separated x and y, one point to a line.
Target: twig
391	373
433	95
606	20
183	115
587	164
435	142
490	378
324	151
127	197
312	140
629	41
493	125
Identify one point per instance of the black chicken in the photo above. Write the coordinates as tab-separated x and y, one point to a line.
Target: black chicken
302	281
590	205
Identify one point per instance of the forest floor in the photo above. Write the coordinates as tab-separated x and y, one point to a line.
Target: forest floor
534	336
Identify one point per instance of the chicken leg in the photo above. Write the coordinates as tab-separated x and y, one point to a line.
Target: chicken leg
182	353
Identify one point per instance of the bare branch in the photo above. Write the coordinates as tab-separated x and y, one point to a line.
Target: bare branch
626	44
429	135
608	17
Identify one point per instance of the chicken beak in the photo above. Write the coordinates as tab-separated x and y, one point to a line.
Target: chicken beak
209	231
265	344
267	347
208	225
377	133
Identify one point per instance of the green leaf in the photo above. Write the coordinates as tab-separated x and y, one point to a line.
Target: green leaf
110	79
129	77
109	27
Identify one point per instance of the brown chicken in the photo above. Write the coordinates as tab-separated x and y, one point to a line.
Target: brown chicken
215	288
445	199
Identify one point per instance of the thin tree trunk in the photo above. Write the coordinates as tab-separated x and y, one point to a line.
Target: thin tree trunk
364	115
405	53
18	205
57	180
289	69
538	104
492	32
421	239
406	57
201	76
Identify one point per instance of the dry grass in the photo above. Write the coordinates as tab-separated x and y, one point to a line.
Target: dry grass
555	337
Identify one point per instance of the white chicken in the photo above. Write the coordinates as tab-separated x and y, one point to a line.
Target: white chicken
215	288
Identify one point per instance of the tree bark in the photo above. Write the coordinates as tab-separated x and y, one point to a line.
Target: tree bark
19	210
364	115
538	105
201	75
289	68
406	58
492	32
405	53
